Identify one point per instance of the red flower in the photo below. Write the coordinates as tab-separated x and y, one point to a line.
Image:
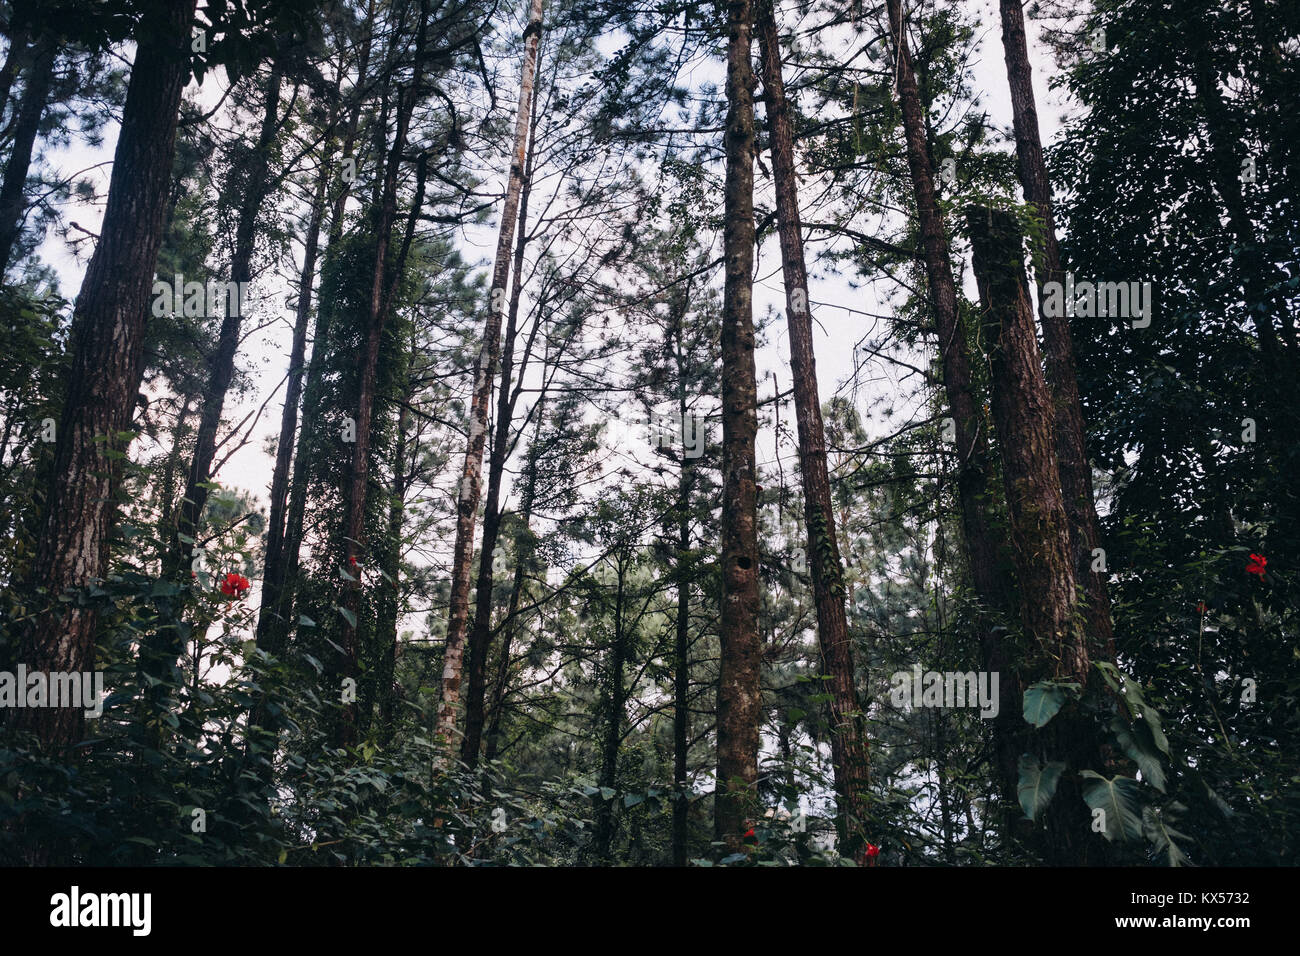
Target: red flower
1200	606
234	585
1256	565
749	834
873	850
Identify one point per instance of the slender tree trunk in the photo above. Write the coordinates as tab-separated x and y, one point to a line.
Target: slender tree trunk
849	754
382	285
480	636
19	36
221	366
1071	449
390	598
613	735
272	619
485	372
167	488
989	565
27	125
303	461
682	624
107	357
527	497
739	689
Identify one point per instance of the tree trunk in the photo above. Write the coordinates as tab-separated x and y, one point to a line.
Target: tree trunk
221	366
613	735
1071	448
27	124
480	636
739	688
19	36
989	565
279	629
107	356
390	599
471	475
1040	537
272	618
382	285
849	754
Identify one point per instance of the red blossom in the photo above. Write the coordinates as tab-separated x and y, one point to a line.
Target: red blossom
873	850
234	585
1256	565
1200	606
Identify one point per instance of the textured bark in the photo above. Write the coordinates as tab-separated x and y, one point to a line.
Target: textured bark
480	636
107	355
1040	537
739	688
26	125
989	564
849	753
1071	449
485	371
221	364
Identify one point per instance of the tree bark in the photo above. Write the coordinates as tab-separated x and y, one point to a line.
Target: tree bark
849	754
107	356
1071	447
485	371
989	564
1040	533
1040	536
739	687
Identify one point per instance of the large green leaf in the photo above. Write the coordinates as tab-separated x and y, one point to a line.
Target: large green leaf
1118	798
1139	746
1152	718
1037	784
1157	830
1042	701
